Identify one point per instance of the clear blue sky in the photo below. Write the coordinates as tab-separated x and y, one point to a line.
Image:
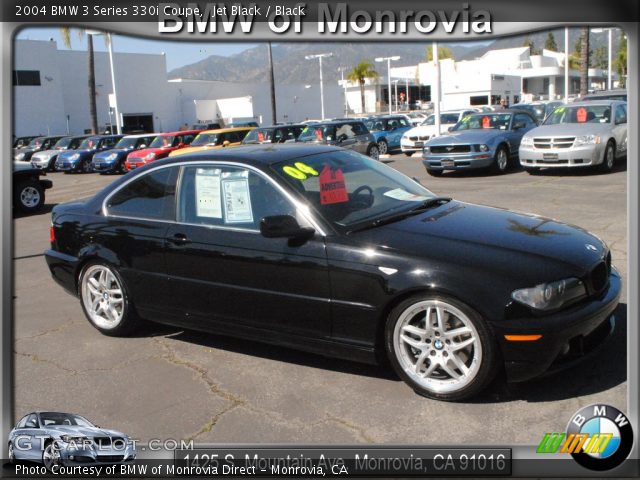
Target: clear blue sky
177	53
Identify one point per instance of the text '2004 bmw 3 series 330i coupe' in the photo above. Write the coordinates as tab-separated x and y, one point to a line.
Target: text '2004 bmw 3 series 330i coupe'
325	250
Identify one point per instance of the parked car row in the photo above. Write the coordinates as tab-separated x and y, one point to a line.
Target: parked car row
581	134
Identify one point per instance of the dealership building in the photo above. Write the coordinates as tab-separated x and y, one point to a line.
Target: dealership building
51	89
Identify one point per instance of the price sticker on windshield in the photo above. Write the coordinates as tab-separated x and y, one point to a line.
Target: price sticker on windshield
581	115
332	187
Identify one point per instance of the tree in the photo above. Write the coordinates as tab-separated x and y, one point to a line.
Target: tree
550	43
620	61
359	74
599	58
65	32
443	52
584	61
532	48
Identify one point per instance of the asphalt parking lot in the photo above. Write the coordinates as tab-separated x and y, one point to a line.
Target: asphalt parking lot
169	383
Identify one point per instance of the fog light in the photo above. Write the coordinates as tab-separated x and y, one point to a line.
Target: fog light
72	457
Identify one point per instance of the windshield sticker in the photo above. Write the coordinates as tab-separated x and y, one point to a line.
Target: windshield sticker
486	122
208	200
581	115
294	172
560	109
260	137
318	134
237	201
400	194
304	168
332	186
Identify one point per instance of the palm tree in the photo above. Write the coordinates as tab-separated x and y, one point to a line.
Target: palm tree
584	61
359	74
65	32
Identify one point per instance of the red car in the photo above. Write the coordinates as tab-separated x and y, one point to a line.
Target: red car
161	147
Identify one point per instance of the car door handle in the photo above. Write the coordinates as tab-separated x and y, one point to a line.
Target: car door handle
179	239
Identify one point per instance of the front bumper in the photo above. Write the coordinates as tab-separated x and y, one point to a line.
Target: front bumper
407	145
567	336
41	163
465	161
582	156
67	165
81	455
103	166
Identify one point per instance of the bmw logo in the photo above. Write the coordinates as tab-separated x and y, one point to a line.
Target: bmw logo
609	433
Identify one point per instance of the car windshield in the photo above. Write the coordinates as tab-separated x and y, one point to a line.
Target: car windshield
36	142
444	118
205	139
89	143
484	121
127	142
62	143
314	133
259	135
348	189
163	141
55	418
580	114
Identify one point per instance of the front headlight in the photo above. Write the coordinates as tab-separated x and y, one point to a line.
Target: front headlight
74	157
113	156
550	296
586	140
483	148
527	141
19	156
426	150
150	156
77	440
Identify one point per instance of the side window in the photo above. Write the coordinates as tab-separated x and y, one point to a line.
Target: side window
187	139
277	136
521	118
345	132
151	195
220	196
359	129
403	122
621	114
32	421
177	141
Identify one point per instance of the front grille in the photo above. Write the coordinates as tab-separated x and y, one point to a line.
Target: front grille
599	278
108	441
110	458
413	139
554	142
424	137
450	149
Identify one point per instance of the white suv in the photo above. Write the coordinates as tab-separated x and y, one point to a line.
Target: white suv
413	140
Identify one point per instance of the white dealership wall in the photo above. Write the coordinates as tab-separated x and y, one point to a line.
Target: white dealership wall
143	88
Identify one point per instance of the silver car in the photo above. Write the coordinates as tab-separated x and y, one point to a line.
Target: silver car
55	438
581	134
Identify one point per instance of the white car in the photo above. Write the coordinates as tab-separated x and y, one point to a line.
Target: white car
413	140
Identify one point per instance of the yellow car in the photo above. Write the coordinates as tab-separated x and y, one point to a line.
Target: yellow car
220	138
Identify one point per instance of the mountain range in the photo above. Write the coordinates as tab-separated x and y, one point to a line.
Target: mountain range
290	66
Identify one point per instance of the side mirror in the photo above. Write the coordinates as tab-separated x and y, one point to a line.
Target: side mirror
518	125
284	226
226	143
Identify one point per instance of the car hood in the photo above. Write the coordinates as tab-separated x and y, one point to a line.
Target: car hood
43	153
146	151
569	129
68	153
467	233
106	153
85	431
467	137
428	129
202	148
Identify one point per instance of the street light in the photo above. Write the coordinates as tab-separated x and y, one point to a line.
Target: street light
388	60
395	93
320	56
113	76
341	69
600	30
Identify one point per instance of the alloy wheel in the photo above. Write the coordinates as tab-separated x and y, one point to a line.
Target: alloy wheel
50	456
102	297
30	197
374	152
382	147
438	346
502	159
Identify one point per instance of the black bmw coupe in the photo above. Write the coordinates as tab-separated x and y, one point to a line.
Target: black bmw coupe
323	249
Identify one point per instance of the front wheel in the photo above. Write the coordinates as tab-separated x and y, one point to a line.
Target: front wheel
532	170
105	302
50	456
408	154
440	347
501	160
12	454
435	173
86	167
29	196
609	158
374	152
383	147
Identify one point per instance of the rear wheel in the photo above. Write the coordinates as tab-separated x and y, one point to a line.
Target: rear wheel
435	173
12	453
28	196
383	147
441	347
609	158
105	302
374	152
501	160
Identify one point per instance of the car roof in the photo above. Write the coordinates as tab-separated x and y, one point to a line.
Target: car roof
337	122
142	135
180	132
287	125
255	154
227	130
591	103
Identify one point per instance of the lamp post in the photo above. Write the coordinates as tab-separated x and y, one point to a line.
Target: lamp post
600	30
344	86
395	92
388	60
566	64
436	103
320	56
113	75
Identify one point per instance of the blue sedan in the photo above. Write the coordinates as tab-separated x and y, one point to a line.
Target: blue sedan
483	140
80	160
388	130
112	161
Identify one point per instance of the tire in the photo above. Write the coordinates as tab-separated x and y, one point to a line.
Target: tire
532	170
453	369
435	173
28	196
373	152
50	456
609	158
85	167
105	301
12	454
383	147
408	154
51	167
501	160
